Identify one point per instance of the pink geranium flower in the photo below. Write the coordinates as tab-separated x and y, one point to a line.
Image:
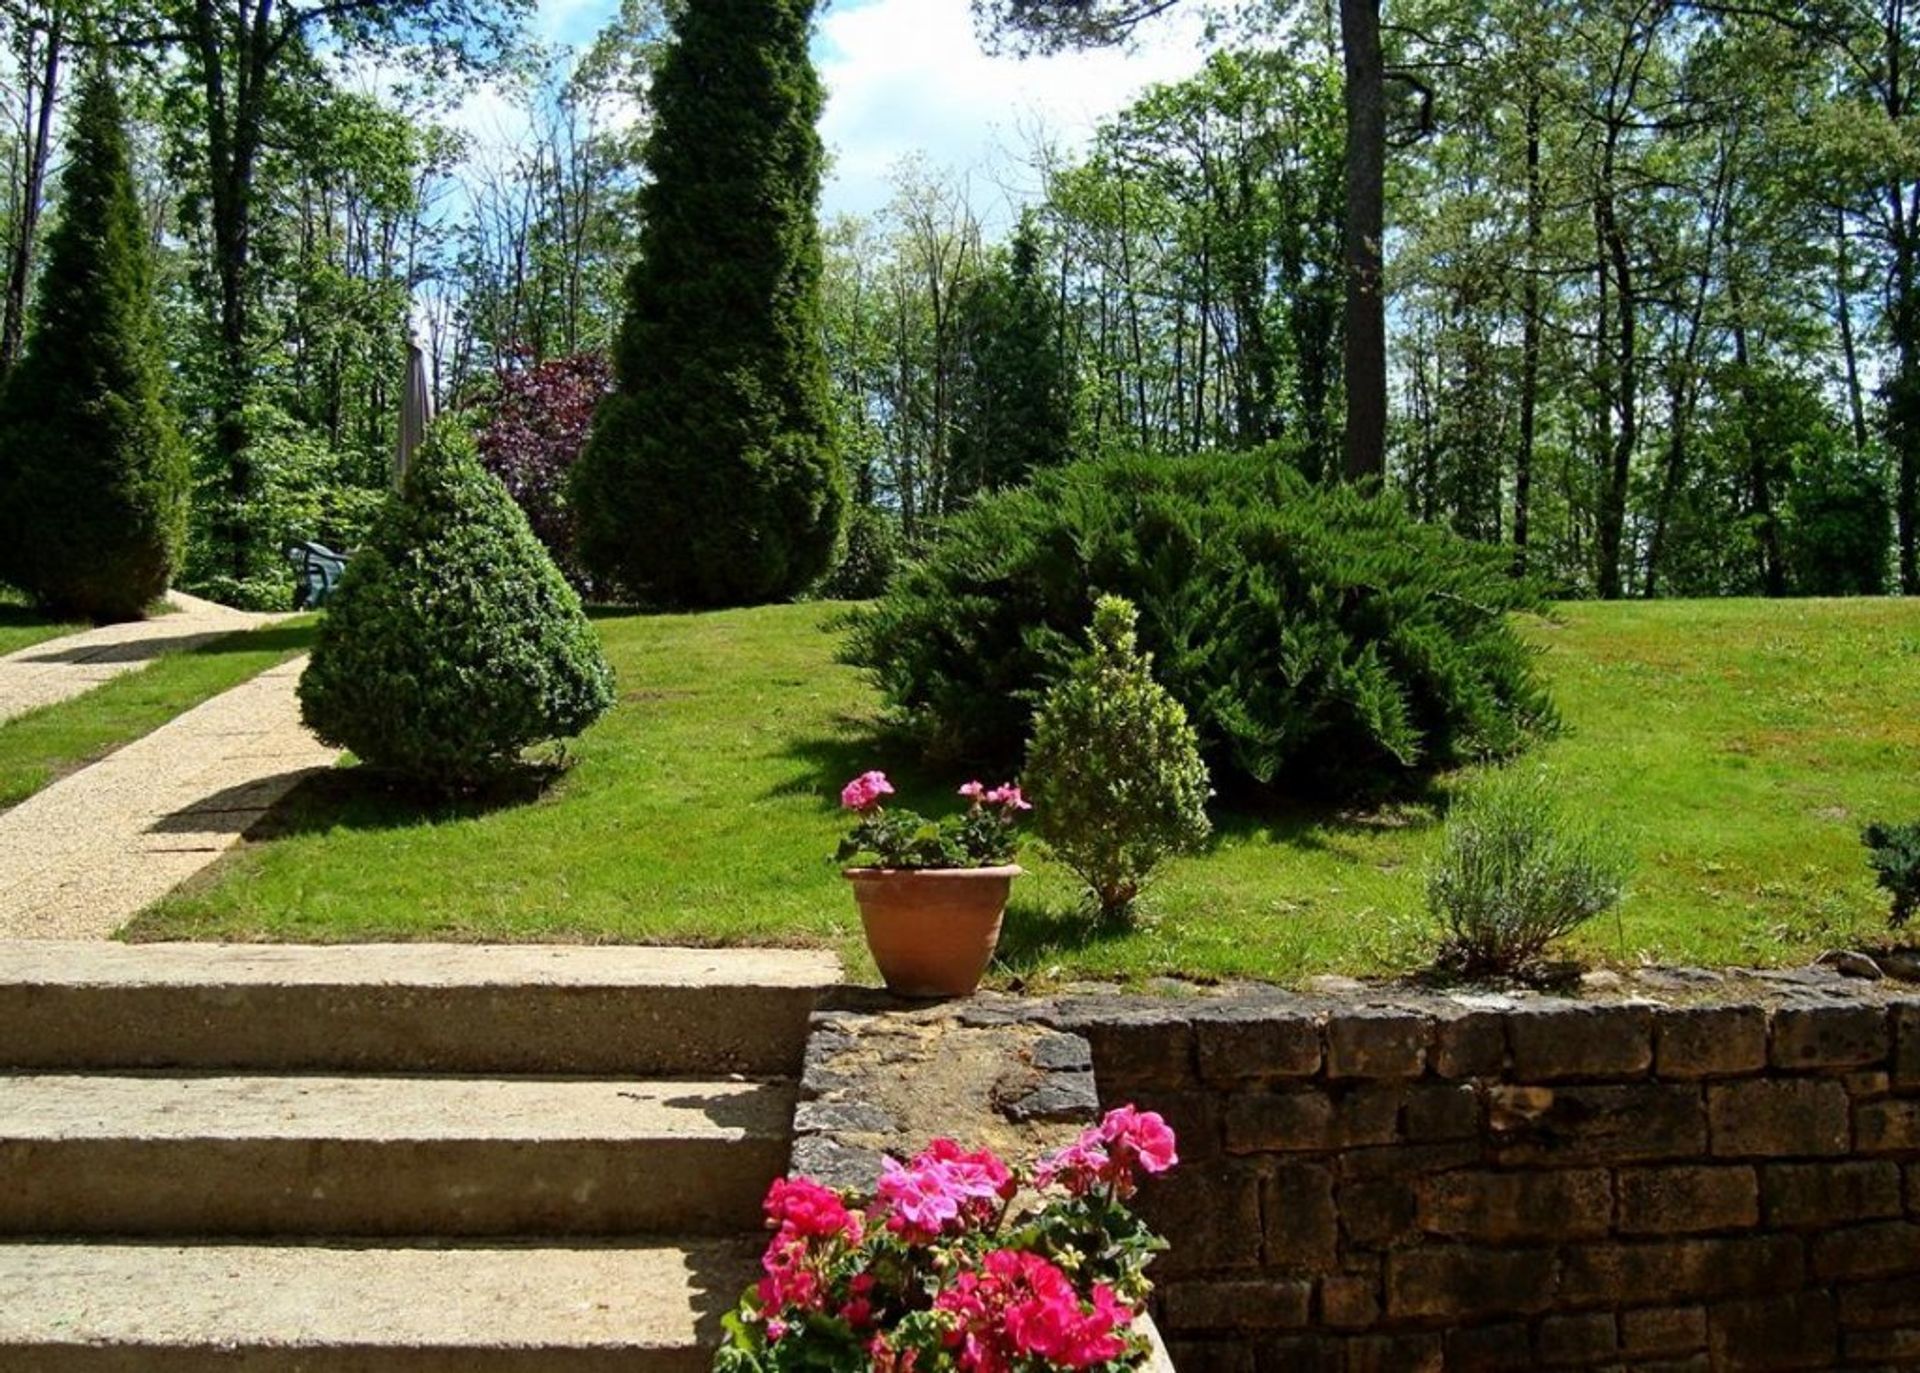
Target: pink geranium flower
1021	1306
863	793
801	1208
1008	797
1126	1142
945	1190
974	791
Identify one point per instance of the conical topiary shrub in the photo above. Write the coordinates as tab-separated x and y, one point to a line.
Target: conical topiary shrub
93	506
1114	768
453	642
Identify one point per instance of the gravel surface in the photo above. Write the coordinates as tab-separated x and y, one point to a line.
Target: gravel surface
59	669
81	858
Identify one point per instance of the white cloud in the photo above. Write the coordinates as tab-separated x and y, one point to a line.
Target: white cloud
908	77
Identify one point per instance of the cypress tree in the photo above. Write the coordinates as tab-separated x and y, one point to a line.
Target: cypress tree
96	478
712	478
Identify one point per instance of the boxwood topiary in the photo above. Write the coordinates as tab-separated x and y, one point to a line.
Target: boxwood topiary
1320	638
453	642
1114	770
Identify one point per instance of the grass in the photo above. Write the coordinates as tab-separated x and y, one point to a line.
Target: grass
41	747
22	626
1736	746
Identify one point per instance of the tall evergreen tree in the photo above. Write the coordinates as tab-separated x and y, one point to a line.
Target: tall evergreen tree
96	479
1016	406
712	478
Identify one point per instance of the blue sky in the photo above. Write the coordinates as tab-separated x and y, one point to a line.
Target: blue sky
907	77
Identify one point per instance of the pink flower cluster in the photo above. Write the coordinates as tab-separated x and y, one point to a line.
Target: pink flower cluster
1111	1154
802	1213
1020	1306
943	1191
840	1286
1006	796
863	793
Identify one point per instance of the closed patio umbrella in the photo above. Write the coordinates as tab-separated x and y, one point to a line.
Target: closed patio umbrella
416	413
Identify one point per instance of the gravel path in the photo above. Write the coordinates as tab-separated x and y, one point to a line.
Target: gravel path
58	669
81	858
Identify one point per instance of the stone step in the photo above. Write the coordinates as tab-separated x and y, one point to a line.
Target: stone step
116	1307
197	1154
415	1008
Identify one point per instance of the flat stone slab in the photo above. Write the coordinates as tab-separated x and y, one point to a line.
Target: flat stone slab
54	1107
498	1308
117	1154
82	963
56	670
81	858
413	1008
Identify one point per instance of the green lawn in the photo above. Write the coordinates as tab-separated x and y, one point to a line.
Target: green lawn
1737	746
21	626
44	746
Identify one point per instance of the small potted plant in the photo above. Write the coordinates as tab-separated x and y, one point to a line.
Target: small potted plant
931	893
944	1272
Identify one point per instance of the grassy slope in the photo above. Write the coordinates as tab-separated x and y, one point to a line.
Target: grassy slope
41	747
21	626
1736	745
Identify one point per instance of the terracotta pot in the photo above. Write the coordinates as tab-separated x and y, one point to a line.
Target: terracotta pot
932	932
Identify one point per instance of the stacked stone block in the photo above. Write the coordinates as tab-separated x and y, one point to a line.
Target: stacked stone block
1535	1184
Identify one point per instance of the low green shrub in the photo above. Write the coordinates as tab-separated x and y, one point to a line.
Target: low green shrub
1319	637
1115	767
873	554
1517	870
453	643
1893	851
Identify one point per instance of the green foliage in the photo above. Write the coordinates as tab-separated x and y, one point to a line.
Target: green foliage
711	477
1319	638
1839	524
873	554
93	485
1893	851
453	642
1115	768
1016	403
301	489
1517	871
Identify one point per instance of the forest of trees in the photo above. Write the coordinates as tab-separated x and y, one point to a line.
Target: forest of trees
1651	292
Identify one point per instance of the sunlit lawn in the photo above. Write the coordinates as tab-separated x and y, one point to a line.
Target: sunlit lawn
1736	746
47	744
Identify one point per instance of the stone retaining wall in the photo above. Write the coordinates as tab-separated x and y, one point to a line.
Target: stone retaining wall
1709	1174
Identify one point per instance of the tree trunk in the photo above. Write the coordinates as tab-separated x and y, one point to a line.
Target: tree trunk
235	126
13	330
1366	159
1856	406
1773	566
1529	342
1623	366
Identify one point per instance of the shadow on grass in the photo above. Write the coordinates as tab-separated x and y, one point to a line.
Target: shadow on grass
1246	817
294	637
1034	937
363	798
864	744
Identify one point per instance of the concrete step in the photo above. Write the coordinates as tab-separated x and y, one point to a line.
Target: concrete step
151	1154
415	1008
413	1308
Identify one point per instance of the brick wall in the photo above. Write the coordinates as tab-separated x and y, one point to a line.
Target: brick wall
1538	1184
